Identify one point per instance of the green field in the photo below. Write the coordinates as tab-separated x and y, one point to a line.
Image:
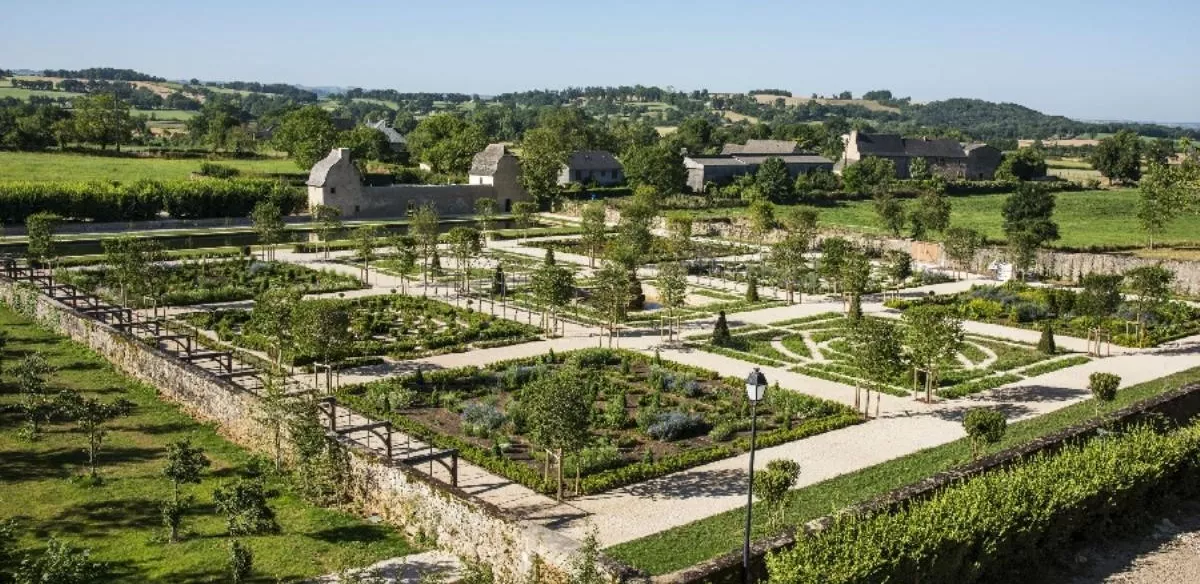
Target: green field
55	166
707	538
1085	219
24	94
119	519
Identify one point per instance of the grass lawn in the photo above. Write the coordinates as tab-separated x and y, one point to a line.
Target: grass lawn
1088	218
119	520
57	166
707	538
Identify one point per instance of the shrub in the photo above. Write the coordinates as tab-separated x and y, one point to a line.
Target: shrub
1046	344
481	418
675	425
1104	386
721	336
772	484
241	562
984	426
214	170
592	459
997	525
615	416
244	504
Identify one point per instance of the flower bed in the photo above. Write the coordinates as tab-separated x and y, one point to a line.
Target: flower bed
660	249
650	417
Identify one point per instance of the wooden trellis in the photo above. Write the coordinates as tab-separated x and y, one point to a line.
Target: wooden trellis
1099	342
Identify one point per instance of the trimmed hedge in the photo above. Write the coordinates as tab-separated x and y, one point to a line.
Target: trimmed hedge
144	199
999	525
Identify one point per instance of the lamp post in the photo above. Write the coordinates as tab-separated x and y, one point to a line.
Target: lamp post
756	389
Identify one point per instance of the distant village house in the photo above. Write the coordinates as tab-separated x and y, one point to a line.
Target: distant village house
945	157
592	167
739	159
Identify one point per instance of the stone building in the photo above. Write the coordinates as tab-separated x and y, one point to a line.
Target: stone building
592	167
722	169
336	181
944	156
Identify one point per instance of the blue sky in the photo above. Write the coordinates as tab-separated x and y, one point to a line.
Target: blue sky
1106	59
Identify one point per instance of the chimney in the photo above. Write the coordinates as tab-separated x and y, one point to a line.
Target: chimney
343	152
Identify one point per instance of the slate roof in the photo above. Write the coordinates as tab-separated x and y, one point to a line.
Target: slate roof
392	135
761	147
974	145
592	160
487	160
320	171
786	158
896	145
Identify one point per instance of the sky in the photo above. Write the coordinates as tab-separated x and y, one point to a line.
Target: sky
1098	59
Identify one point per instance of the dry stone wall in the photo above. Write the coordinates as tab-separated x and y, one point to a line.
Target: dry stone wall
460	523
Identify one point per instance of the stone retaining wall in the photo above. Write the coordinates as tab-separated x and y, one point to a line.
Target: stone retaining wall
460	523
1179	406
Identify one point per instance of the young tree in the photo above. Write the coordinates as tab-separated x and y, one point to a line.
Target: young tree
276	409
523	212
329	223
1119	157
611	295
39	231
134	263
559	407
870	176
672	290
1028	223
465	244
553	286
424	226
898	265
241	562
788	260
877	353
1151	286
485	217
833	255
544	153
762	217
185	463
244	503
1163	194
679	230
961	245
268	225
932	335
61	564
984	426
90	415
855	277
931	213
633	233
803	221
771	486
273	318
1101	295
406	257
37	404
322	330
594	229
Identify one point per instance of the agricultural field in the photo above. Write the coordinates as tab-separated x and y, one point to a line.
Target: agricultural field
642	417
166	115
1069	312
45	489
1086	219
817	346
59	166
395	326
201	282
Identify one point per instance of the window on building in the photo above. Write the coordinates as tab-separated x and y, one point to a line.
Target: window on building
333	190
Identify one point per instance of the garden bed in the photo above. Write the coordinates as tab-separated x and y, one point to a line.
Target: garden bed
1067	311
660	250
670	416
393	325
206	282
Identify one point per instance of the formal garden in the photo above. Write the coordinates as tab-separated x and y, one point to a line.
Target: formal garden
615	417
100	477
1145	317
358	331
893	357
201	282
